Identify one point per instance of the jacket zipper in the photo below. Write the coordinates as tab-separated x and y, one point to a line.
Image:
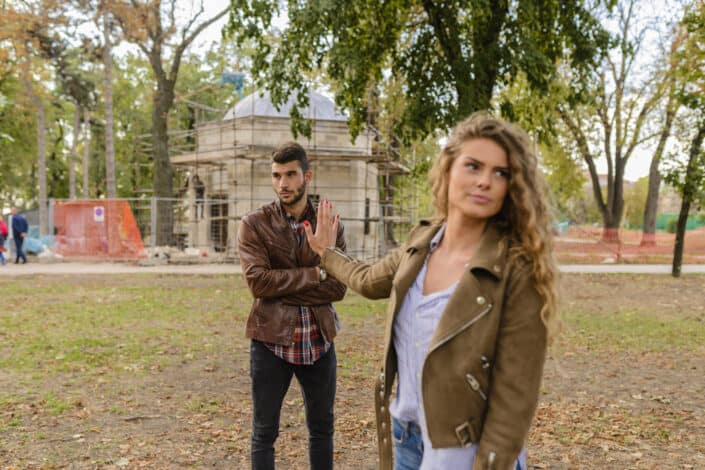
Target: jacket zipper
475	385
460	330
448	338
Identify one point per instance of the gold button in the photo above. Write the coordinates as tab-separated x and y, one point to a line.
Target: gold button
481	300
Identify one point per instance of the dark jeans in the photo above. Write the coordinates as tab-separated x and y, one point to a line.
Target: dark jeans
18	248
271	377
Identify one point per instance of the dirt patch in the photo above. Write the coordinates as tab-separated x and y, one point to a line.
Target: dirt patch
584	245
603	405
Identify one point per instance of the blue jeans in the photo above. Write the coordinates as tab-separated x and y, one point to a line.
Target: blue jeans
408	446
18	248
271	377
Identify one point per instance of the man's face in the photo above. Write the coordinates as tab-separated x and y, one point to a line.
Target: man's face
289	182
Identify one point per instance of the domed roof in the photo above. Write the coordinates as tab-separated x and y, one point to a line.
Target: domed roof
260	104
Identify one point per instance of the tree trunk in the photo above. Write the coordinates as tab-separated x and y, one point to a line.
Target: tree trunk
86	150
648	235
688	195
41	154
41	161
109	140
163	173
610	230
73	158
680	239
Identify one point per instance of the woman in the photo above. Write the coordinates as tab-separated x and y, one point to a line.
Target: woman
472	306
3	235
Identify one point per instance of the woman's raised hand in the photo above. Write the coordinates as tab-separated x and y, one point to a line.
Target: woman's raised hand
326	228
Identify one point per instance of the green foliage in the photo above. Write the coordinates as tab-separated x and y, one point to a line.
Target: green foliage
688	177
562	163
672	225
133	86
413	192
634	201
450	56
18	146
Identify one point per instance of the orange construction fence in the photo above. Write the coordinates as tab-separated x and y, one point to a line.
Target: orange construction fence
97	229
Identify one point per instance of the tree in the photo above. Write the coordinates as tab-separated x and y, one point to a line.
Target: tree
452	56
22	27
108	98
143	24
689	178
73	82
536	112
86	150
17	138
612	121
648	237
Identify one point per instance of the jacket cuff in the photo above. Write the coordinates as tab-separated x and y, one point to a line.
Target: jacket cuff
487	459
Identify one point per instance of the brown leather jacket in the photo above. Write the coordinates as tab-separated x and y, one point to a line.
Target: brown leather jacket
482	373
282	276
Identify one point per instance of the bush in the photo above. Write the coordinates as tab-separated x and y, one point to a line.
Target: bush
672	225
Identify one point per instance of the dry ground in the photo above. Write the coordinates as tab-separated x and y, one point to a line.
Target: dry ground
583	245
151	371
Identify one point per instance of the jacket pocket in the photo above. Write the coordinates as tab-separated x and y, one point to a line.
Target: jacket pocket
475	385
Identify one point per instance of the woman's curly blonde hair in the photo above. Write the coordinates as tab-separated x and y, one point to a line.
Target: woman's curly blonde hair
525	214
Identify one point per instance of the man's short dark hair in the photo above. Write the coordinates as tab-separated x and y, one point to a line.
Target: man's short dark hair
289	152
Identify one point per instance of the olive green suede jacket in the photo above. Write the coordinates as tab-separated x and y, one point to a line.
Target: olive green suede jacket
482	373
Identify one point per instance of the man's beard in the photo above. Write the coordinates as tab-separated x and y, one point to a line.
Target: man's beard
298	195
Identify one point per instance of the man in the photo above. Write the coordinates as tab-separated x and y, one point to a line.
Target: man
19	231
200	190
292	322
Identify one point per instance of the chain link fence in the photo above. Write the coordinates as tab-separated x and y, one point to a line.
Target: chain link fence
191	228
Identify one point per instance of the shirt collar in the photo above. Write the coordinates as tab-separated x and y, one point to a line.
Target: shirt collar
436	240
309	212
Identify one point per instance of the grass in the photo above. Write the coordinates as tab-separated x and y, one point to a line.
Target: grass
61	326
85	355
635	330
58	325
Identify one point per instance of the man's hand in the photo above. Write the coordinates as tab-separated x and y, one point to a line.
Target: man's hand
326	228
23	234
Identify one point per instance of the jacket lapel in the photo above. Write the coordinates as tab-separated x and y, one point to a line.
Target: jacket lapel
416	252
469	302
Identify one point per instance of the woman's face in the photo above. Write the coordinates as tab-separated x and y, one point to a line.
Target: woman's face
478	179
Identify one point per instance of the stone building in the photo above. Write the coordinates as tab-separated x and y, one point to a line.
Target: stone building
232	157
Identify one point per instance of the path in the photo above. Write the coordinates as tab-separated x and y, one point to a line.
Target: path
222	269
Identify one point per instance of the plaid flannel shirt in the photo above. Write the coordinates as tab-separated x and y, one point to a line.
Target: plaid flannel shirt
309	344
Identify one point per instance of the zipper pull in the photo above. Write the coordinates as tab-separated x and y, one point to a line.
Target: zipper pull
490	460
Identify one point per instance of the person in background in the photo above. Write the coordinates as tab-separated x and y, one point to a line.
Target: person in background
19	231
472	306
3	237
292	323
200	189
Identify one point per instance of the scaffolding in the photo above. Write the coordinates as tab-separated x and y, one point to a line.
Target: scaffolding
231	153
